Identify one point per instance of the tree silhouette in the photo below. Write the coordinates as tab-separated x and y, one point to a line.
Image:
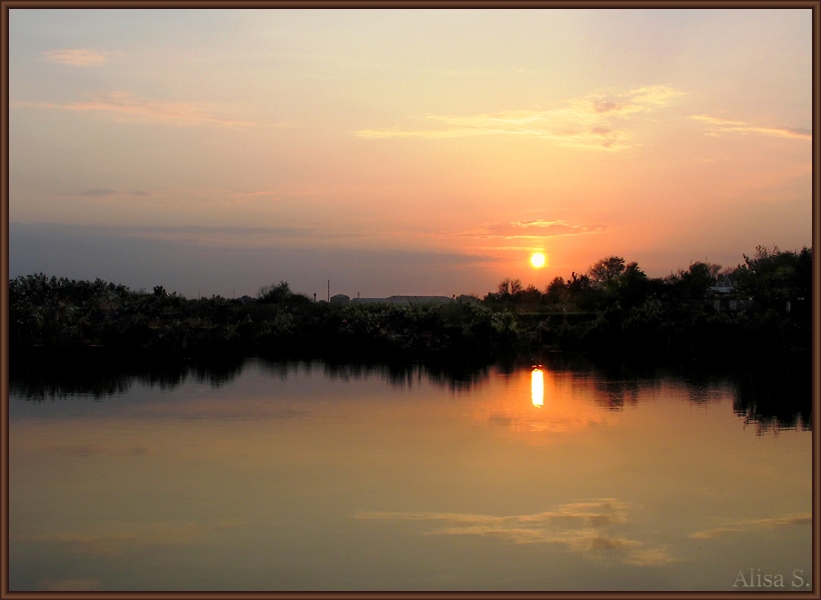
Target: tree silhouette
606	271
510	287
275	293
556	291
772	277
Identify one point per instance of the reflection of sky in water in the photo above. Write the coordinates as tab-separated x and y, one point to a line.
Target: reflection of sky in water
308	477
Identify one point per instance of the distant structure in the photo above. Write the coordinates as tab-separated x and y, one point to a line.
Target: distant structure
725	286
340	299
405	300
722	296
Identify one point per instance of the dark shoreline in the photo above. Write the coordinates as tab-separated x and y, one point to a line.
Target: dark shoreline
758	313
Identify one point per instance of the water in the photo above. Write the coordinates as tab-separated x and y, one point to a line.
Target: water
268	475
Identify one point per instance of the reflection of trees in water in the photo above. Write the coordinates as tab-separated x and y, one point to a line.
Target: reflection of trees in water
101	376
282	369
216	373
51	384
456	376
774	401
618	384
614	394
771	396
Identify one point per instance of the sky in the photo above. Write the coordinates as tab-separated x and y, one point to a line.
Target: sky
402	151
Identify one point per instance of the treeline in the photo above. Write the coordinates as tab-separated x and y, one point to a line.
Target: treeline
59	313
761	306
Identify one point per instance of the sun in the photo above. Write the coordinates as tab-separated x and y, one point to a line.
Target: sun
538	260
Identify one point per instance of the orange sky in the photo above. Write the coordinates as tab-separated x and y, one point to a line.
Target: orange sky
402	151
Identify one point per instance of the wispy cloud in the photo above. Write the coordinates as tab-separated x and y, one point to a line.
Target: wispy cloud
218	235
534	229
716	126
76	57
578	526
234	237
753	525
124	106
595	121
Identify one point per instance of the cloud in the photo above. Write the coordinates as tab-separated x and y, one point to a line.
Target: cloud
716	126
648	557
235	237
78	57
652	95
601	512
219	236
123	106
530	230
577	526
753	525
588	122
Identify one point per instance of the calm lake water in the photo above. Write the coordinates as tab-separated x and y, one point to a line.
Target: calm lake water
266	475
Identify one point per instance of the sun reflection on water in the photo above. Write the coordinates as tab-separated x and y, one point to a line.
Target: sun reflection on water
537	387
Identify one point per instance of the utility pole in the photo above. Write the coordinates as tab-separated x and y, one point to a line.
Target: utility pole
329	290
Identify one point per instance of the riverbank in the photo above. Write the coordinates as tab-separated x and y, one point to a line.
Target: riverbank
765	317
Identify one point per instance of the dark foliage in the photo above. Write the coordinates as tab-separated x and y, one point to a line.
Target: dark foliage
63	314
762	307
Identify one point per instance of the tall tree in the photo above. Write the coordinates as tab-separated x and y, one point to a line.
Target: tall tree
510	287
606	271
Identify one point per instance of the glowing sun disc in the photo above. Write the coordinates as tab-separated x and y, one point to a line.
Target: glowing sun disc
537	259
